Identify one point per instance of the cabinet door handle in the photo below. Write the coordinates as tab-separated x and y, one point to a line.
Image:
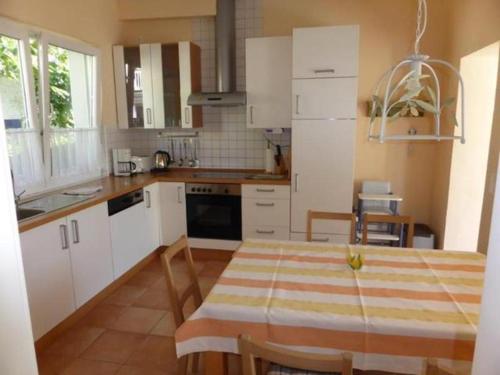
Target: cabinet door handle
148	115
319	71
179	190
296	178
260	231
251	114
264	190
148	199
63	231
264	204
186	115
321	239
297	100
75	230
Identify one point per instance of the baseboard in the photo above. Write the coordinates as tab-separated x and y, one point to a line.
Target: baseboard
47	339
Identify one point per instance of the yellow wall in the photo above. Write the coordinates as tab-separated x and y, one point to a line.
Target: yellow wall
92	21
155	31
387	33
472	25
151	9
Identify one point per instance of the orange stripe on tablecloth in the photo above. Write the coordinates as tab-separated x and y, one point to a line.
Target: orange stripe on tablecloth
371	343
347	290
368	262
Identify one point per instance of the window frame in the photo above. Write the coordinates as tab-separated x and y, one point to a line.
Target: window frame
41	122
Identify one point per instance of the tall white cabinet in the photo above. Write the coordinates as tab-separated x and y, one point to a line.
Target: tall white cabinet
173	213
324	102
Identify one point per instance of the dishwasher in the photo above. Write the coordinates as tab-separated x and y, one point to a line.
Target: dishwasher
127	218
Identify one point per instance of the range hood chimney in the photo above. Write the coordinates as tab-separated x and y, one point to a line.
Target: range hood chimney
225	40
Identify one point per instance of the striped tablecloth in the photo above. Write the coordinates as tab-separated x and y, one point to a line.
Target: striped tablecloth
403	306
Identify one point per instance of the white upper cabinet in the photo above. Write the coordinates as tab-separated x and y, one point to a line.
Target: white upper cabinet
268	82
153	83
322	171
324	99
47	269
190	81
91	259
173	211
323	52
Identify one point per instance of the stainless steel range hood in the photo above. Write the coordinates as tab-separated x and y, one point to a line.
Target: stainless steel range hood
226	94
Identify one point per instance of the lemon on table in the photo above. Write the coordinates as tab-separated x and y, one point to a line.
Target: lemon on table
355	261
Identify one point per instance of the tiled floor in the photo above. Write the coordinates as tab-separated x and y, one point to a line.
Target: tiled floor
131	332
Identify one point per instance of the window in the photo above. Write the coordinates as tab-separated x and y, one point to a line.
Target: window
49	97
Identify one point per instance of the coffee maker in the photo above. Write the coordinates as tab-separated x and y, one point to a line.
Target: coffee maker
122	162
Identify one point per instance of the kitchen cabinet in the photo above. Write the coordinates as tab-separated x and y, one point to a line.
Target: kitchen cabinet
266	212
90	250
322	172
153	82
321	99
325	52
153	211
129	238
173	211
49	280
190	81
268	82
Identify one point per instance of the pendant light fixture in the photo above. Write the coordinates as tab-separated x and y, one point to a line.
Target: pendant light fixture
416	92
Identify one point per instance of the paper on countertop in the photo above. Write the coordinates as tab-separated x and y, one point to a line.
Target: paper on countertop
88	190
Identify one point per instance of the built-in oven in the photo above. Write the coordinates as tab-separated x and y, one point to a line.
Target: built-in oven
214	211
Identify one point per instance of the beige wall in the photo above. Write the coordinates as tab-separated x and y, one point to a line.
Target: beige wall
92	21
151	9
155	31
387	35
472	25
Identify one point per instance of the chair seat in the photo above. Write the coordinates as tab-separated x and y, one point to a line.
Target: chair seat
275	369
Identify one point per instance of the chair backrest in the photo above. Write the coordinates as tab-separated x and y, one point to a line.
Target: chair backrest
193	289
251	350
432	368
389	219
317	215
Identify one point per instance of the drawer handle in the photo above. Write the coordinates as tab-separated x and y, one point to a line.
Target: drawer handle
186	115
63	231
265	190
264	204
148	199
76	231
318	71
251	114
323	239
297	99
260	231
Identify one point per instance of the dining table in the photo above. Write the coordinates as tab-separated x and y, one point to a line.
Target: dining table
400	308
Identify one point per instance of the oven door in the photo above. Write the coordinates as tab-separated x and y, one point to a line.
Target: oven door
214	216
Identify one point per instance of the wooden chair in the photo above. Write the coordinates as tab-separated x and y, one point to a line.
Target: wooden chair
432	368
389	219
317	215
251	350
193	290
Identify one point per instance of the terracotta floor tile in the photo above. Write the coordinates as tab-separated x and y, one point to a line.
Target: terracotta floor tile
87	367
155	266
153	299
103	315
159	284
144	279
114	346
213	269
156	353
166	326
138	319
75	341
125	295
52	364
133	370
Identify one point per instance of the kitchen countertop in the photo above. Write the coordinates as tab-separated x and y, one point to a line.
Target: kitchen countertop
116	186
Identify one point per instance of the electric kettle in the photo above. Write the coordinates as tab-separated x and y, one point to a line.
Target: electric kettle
161	160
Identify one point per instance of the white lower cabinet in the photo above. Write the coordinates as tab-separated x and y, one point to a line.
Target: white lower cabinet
90	249
153	212
173	211
66	262
266	212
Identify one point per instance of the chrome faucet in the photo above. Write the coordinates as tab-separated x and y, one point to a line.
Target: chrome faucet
17	197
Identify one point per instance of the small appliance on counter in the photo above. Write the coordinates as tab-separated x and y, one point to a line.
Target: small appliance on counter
143	164
161	160
122	162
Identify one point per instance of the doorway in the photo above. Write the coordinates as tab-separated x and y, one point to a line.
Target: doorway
469	162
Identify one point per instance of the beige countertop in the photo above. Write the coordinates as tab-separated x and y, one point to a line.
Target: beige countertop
116	186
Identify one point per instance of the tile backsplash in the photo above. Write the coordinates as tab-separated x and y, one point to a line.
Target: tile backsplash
224	140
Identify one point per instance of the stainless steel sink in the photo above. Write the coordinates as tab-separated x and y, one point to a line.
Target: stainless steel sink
26	213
